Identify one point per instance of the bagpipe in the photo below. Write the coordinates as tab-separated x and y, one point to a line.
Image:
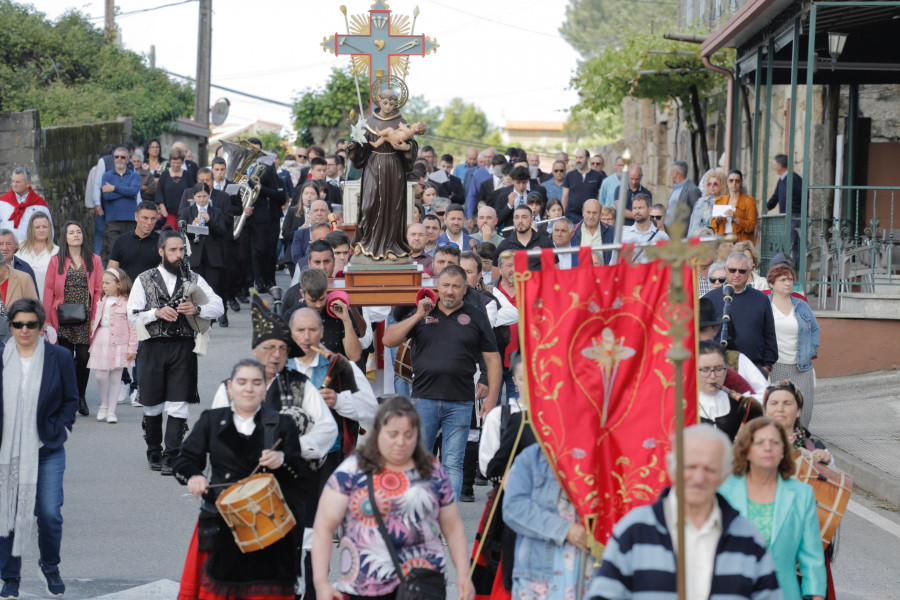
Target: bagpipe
743	409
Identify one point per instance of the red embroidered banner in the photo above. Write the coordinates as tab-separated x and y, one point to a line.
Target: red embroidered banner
602	393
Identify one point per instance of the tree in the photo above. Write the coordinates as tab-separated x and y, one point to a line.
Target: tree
464	125
273	140
323	116
592	128
591	26
419	109
677	80
72	74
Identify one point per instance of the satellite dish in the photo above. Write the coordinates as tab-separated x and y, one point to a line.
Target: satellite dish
220	111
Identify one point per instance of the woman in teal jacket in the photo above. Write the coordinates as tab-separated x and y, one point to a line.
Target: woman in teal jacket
783	509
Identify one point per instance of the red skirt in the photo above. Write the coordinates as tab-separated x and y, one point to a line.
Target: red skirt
193	569
171	219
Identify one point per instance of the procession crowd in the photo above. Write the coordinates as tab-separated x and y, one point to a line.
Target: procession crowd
138	306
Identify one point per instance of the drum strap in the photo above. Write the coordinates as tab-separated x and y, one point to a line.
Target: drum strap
269	419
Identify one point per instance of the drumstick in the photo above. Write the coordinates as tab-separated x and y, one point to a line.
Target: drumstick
252	473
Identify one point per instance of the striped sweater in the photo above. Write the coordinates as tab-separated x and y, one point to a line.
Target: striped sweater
639	561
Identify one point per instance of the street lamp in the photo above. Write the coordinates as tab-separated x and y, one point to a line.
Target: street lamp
836	43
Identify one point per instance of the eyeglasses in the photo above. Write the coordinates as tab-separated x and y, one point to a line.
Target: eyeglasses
656	217
19	325
559	170
440	213
302	156
120	157
451	244
597	164
741	271
707	371
717	280
713	184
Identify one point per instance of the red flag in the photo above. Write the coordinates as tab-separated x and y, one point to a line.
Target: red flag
594	343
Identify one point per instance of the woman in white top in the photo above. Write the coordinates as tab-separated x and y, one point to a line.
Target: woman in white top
715	406
797	335
38	247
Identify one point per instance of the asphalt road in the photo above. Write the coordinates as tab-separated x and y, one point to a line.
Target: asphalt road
127	528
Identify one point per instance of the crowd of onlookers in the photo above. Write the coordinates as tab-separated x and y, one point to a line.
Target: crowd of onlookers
454	352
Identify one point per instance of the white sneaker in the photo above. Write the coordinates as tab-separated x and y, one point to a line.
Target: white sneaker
111	419
136	397
101	414
123	393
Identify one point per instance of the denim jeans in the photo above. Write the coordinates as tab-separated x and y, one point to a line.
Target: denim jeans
401	387
51	466
509	384
99	230
452	419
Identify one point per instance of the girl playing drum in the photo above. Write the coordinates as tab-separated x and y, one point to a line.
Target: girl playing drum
237	440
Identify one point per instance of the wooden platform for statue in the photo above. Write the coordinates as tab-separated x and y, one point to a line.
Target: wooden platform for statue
383	285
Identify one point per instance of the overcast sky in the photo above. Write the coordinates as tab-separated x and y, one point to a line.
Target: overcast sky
507	58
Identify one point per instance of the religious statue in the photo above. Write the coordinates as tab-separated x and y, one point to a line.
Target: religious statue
381	228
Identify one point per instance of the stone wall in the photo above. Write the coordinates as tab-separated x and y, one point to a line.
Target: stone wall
59	159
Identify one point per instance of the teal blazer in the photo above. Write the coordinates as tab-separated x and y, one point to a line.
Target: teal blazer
795	535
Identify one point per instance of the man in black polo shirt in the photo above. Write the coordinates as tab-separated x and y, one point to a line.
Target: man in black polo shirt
581	184
635	176
447	341
135	252
525	237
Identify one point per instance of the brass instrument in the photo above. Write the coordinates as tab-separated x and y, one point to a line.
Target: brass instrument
239	158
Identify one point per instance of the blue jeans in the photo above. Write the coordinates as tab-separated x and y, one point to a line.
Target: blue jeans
99	228
401	387
51	466
509	384
453	419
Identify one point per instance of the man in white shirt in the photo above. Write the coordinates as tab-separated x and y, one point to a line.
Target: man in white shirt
562	233
643	231
343	387
19	203
161	313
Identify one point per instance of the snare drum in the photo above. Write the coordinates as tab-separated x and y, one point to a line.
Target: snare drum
403	362
256	512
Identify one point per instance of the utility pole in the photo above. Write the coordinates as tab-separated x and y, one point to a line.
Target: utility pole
201	102
109	29
152	56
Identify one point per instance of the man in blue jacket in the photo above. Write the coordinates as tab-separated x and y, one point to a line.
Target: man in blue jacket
40	397
119	188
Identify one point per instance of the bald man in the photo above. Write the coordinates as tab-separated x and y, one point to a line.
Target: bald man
416	238
591	231
635	175
487	226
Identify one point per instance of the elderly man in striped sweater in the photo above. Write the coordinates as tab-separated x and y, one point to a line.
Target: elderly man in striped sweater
726	554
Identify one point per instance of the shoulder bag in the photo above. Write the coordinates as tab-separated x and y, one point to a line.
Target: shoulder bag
420	583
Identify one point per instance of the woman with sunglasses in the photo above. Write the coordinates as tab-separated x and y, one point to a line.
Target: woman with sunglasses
797	335
740	212
716	273
658	216
712	185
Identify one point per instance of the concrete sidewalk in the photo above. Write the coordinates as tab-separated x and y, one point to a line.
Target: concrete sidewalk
858	418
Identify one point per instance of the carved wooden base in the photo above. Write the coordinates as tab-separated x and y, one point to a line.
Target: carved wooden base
383	287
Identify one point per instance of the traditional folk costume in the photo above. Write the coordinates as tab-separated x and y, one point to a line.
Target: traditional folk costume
215	568
16	212
167	357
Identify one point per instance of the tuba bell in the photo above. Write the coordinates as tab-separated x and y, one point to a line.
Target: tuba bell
244	167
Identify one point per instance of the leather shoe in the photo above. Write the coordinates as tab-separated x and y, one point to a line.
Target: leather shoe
234	305
244	298
262	288
166	470
83	409
155	463
223	321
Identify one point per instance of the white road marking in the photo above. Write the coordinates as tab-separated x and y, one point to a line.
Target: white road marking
164	589
874	518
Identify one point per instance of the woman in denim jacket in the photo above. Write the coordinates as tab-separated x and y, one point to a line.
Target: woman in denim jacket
551	544
797	334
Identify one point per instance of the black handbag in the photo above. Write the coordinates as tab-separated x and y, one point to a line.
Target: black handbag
420	583
71	313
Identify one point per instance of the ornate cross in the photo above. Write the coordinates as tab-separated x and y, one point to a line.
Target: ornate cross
380	43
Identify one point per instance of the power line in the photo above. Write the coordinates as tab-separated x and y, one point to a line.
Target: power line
144	10
477	16
234	91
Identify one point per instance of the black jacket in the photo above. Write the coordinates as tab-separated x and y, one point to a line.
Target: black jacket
214	243
232	456
538	240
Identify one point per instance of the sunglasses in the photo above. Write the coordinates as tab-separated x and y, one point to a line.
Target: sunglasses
733	271
717	280
19	325
120	157
656	217
451	244
303	155
713	184
559	170
440	213
596	164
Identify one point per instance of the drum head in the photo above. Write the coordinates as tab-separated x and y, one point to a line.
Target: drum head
247	489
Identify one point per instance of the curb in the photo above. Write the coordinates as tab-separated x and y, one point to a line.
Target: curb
865	476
